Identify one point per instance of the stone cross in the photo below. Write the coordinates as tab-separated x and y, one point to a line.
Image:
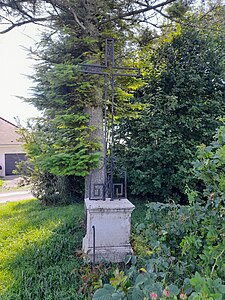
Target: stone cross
97	184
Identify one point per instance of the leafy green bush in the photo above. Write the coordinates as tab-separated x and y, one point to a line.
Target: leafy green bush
181	240
144	287
52	189
180	249
183	102
55	190
172	244
210	167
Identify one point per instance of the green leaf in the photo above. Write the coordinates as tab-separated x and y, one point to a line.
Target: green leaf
117	296
174	290
104	293
216	296
137	294
109	288
142	278
127	259
221	288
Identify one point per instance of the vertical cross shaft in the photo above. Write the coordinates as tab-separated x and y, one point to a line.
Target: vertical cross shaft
107	70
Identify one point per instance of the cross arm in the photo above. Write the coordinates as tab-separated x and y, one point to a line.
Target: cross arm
126	71
92	69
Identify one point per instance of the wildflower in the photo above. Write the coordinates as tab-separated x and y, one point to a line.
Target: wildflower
166	293
182	296
153	296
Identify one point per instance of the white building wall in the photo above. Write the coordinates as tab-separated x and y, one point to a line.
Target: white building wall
8	149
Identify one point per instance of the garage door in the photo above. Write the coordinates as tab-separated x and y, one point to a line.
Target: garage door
11	160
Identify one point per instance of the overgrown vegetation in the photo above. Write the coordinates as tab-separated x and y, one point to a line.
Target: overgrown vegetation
179	255
51	189
180	250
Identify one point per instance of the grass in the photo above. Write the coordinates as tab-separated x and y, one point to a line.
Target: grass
37	250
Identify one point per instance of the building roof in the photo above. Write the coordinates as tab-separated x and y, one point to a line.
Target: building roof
9	133
8	122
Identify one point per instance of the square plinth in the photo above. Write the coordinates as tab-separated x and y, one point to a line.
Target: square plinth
107	230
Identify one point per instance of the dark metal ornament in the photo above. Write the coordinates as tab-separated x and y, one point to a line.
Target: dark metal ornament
108	188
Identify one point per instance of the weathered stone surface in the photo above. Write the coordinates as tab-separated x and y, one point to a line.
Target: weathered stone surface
111	221
95	121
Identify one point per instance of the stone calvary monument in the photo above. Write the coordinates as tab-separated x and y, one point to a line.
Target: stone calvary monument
108	211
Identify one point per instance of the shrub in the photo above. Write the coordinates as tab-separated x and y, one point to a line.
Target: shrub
180	249
180	253
55	190
52	189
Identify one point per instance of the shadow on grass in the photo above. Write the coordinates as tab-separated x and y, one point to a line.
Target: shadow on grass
40	258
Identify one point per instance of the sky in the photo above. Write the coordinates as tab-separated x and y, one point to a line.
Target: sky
14	66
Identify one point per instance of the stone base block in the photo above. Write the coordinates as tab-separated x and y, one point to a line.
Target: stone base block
108	254
107	236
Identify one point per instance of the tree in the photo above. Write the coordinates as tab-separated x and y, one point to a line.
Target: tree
61	143
85	23
184	98
88	15
58	144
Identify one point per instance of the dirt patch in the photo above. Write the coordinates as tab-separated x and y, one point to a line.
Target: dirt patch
14	184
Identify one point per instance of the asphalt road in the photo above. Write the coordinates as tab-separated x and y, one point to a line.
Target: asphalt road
15	196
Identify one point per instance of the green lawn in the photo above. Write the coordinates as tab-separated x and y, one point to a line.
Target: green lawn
37	251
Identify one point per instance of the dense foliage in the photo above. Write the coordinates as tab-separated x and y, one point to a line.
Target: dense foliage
180	249
62	143
184	97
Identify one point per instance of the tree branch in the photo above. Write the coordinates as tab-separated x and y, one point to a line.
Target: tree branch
140	11
14	25
161	13
23	15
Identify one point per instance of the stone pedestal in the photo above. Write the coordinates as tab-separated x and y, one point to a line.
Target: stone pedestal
107	236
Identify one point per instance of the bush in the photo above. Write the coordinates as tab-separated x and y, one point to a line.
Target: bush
180	249
184	239
55	190
144	287
183	98
180	253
